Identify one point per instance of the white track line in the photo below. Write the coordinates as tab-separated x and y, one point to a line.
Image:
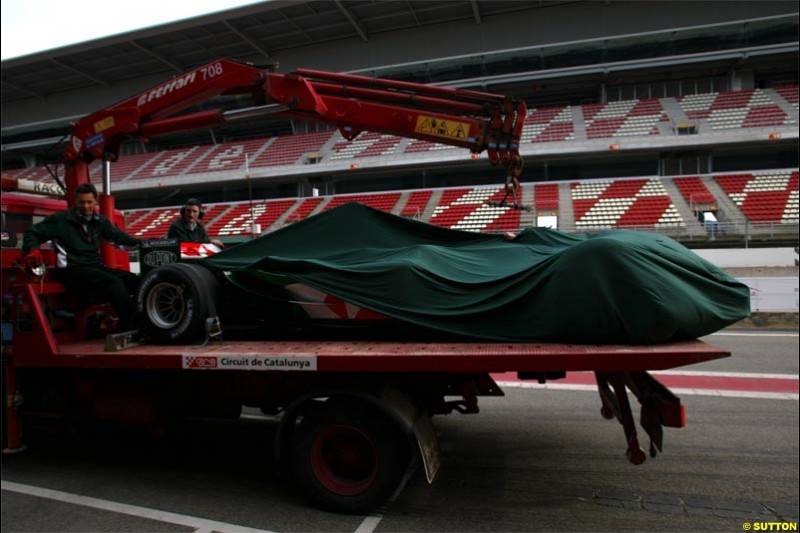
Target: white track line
738	394
201	525
369	524
732	334
724	374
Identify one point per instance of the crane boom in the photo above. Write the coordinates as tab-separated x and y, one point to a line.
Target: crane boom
474	120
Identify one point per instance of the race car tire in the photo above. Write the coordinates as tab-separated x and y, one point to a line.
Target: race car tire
174	301
349	457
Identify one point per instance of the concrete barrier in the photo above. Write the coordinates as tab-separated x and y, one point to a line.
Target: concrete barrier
770	320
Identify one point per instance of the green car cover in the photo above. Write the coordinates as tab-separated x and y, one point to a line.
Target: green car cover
613	287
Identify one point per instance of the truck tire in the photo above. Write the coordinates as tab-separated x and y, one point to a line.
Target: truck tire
174	302
349	457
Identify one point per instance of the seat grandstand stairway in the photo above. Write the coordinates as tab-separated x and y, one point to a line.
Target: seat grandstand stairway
566	212
527	218
281	220
415	204
401	203
681	203
731	214
430	207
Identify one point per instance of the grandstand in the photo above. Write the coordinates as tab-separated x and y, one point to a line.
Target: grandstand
679	121
766	208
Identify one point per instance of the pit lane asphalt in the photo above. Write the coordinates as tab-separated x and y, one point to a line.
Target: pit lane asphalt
535	460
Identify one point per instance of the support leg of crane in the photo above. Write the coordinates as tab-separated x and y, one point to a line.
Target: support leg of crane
615	403
609	409
660	407
635	453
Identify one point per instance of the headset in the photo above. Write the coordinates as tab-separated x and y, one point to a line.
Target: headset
193	201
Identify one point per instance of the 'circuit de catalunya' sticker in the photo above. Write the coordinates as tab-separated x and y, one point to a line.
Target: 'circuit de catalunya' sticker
250	362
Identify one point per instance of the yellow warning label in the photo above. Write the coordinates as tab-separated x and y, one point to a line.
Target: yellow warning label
104	124
442	128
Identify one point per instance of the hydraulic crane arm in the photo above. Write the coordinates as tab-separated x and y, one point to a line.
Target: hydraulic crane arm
474	120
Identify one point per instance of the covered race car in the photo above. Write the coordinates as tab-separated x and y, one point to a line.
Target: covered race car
358	266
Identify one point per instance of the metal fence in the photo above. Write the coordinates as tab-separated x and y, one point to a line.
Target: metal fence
734	232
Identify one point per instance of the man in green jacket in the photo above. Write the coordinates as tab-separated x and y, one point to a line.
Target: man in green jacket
76	235
188	228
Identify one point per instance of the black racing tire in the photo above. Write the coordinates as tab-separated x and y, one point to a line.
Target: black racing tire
349	457
207	281
174	301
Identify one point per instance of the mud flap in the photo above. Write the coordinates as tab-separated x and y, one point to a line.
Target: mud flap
429	447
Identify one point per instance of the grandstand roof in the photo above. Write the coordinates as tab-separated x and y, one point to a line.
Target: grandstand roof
547	51
251	33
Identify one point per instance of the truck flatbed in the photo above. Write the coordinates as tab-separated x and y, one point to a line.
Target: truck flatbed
353	412
345	356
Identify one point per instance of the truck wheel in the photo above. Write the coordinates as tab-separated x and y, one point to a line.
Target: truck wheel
349	458
174	301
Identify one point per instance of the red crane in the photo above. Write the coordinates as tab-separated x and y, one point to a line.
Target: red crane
474	120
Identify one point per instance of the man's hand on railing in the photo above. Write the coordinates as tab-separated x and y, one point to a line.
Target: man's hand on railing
33	263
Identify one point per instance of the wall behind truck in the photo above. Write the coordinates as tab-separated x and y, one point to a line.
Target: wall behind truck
773	293
729	258
771	274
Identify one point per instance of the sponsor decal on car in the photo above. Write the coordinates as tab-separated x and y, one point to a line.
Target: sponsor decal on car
318	304
194	249
160	257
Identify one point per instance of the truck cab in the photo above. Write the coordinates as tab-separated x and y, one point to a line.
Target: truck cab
20	210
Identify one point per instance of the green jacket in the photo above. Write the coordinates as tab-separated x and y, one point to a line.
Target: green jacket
180	230
75	243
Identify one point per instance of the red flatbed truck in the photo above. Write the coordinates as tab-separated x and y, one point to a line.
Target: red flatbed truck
353	413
